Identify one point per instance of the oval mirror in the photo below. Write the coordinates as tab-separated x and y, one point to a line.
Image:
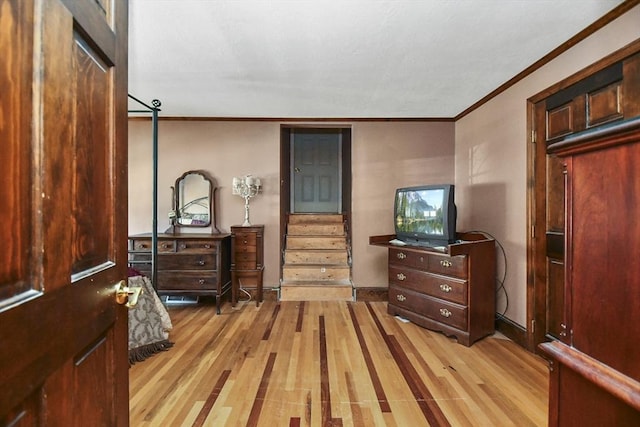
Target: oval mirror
194	192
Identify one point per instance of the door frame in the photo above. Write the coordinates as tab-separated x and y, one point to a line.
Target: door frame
285	175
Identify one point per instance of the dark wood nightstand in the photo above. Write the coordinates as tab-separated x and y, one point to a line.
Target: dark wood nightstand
247	259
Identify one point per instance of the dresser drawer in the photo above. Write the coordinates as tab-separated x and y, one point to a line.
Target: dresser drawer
401	257
245	257
244	238
430	261
187	281
239	250
449	266
145	245
187	262
448	288
196	246
436	309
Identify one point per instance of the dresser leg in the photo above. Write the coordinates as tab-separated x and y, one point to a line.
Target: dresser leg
234	289
259	286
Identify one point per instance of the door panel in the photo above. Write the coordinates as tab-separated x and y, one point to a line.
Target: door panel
63	338
316	171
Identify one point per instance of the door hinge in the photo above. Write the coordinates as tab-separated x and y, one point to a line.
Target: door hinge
533	136
533	326
533	231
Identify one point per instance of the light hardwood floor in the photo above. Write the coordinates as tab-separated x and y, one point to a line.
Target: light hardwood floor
331	364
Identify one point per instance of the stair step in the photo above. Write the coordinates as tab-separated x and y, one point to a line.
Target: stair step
315	218
318	229
315	272
315	291
316	242
315	256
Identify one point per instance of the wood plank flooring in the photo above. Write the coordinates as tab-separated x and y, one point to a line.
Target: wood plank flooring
331	363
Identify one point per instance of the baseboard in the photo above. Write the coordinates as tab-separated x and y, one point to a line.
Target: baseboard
372	294
512	330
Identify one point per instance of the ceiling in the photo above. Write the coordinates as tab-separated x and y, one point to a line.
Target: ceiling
339	58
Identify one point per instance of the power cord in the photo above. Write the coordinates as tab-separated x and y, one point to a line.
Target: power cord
499	282
246	293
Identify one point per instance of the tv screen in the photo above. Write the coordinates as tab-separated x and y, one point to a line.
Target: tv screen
425	215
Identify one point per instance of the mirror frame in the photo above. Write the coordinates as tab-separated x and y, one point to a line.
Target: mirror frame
212	205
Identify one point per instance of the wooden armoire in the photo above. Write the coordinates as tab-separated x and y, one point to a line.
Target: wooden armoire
595	372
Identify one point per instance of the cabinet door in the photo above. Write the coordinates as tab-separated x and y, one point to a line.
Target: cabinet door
604	270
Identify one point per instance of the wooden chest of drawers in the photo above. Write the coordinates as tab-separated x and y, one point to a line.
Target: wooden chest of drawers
451	292
187	264
247	262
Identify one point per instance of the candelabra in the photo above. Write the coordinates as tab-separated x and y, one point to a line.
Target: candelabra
246	187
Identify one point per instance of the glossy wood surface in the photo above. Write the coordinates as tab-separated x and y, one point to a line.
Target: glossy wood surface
63	130
331	363
600	364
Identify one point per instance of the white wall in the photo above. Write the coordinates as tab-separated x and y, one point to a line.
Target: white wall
385	155
491	155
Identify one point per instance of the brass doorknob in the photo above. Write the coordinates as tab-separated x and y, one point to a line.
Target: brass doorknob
127	295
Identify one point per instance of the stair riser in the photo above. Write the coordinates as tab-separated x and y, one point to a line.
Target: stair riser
315	229
295	242
311	257
315	274
316	293
313	219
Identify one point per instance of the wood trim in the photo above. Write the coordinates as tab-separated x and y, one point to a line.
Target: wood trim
591	29
372	294
512	330
285	120
613	382
617	56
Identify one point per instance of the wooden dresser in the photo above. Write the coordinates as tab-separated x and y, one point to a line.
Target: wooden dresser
187	264
595	366
247	262
451	292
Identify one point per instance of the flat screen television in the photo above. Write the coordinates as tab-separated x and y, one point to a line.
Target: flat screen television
425	215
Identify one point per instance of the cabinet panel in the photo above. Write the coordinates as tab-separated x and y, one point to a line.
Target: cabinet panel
604	105
560	121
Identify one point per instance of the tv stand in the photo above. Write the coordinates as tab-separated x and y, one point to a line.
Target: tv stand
450	290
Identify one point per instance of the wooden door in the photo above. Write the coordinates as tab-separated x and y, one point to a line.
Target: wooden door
550	174
316	171
63	127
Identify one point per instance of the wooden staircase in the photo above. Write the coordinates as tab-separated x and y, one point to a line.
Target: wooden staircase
316	259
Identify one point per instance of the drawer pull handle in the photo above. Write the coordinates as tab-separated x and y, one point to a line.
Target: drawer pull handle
445	263
401	255
201	281
401	297
201	262
183	246
445	313
244	241
164	246
445	288
207	246
401	276
142	245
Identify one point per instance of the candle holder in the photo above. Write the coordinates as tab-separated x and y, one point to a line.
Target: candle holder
246	187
